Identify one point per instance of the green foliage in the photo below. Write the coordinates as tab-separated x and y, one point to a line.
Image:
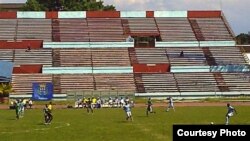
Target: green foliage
242	39
66	5
5	89
32	5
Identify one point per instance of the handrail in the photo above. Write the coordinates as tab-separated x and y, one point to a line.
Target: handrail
227	24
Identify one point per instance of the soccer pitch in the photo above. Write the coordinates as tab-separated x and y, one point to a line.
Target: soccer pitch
109	124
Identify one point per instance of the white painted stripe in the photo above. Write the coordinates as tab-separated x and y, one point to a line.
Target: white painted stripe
170	14
217	43
111	44
177	44
87	44
72	14
133	14
29	14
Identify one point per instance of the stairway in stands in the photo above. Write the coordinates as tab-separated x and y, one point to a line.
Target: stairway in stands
56	57
139	83
220	82
209	56
56	83
55	30
132	56
197	30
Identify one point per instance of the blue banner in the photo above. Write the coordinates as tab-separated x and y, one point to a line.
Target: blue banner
42	91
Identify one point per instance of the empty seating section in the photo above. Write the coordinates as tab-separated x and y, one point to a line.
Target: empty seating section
213	29
35	56
22	83
73	82
110	57
121	82
151	55
75	57
227	55
140	26
154	83
8	29
196	82
73	30
34	29
175	29
191	56
7	55
105	30
237	82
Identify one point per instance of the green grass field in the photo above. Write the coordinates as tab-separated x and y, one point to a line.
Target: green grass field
109	124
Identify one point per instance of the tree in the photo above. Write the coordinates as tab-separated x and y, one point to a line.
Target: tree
5	89
66	5
32	5
242	39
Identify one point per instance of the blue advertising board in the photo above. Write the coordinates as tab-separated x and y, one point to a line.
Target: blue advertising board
42	91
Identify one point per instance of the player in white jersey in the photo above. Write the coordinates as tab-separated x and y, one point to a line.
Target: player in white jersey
230	112
127	109
170	103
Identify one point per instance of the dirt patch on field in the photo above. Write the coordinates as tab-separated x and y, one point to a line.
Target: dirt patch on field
162	104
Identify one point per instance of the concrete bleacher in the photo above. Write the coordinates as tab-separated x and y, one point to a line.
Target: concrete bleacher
22	83
121	82
8	29
110	57
213	29
22	57
227	55
7	55
192	56
34	29
105	29
156	83
237	81
34	56
151	55
196	82
72	30
175	29
140	26
76	82
74	57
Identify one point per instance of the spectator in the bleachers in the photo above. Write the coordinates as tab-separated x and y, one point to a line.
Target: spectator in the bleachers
28	48
129	39
182	54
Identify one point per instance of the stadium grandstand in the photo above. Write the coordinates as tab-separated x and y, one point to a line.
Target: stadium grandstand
172	53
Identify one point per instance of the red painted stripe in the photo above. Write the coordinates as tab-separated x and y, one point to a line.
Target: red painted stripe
204	14
103	14
21	44
51	15
27	69
150	14
8	15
